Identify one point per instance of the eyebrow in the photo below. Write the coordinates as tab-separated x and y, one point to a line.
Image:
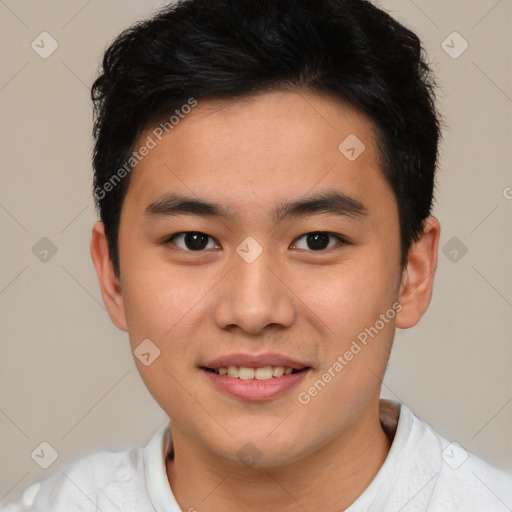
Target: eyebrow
331	202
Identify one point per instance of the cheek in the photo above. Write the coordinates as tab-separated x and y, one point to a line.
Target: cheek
156	293
162	306
346	298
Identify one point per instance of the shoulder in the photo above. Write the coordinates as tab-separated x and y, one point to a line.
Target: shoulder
471	482
99	481
460	480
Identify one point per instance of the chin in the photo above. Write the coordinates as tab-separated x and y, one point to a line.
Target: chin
256	448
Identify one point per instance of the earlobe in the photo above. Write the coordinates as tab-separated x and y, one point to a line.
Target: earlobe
418	275
109	284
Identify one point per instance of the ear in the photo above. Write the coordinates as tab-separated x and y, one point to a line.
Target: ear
109	283
418	275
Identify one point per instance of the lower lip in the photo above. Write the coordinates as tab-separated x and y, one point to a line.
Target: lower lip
256	390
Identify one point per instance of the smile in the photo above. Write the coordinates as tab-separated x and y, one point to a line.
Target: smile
247	373
255	384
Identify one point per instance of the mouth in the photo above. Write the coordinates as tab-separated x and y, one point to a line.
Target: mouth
258	373
255	378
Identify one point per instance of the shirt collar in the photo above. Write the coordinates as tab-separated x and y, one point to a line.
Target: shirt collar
396	420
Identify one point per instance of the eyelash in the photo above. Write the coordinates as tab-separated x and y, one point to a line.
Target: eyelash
342	241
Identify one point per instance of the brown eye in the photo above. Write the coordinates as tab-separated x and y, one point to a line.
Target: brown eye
319	240
191	241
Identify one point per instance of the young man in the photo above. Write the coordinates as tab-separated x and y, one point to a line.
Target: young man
264	174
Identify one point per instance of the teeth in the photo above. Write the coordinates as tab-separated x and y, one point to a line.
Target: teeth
277	371
233	372
245	373
264	373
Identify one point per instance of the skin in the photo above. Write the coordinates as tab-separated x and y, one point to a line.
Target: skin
253	154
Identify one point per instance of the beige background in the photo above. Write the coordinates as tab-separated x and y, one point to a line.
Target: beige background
66	374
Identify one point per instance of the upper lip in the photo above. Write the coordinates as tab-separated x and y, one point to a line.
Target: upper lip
255	361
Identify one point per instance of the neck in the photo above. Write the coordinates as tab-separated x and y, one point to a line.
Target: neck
330	479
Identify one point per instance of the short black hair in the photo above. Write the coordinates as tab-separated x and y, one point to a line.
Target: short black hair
215	49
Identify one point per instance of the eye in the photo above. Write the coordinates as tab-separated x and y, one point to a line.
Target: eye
196	241
319	240
191	241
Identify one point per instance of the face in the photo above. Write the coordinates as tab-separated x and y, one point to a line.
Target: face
248	282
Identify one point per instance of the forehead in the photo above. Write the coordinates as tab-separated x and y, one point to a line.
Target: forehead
269	148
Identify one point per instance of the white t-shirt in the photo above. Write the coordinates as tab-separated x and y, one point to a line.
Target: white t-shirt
423	472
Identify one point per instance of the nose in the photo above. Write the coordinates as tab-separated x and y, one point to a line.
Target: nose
254	296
